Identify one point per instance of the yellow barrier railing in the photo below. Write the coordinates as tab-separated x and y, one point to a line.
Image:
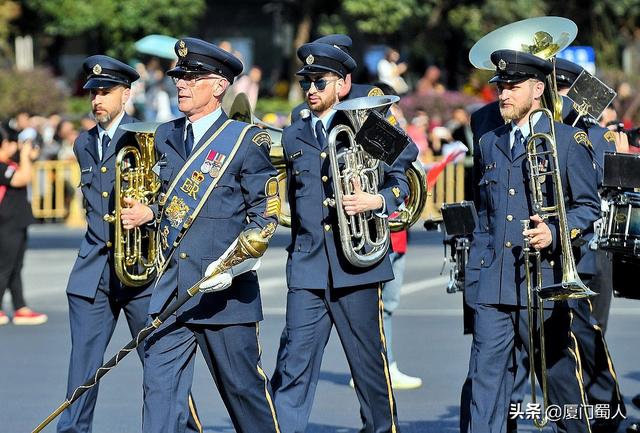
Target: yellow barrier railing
54	193
448	189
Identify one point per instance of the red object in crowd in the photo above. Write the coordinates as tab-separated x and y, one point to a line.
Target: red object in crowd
437	169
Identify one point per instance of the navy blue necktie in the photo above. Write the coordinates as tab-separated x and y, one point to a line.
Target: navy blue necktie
105	145
188	140
518	144
320	135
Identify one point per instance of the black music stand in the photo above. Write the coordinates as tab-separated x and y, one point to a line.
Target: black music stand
460	219
621	171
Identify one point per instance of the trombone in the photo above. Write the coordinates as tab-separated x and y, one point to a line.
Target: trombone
570	287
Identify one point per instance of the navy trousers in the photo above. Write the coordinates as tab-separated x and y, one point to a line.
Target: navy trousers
357	316
232	353
497	331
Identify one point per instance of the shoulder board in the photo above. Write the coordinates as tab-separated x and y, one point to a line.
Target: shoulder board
261	138
376	91
581	137
610	136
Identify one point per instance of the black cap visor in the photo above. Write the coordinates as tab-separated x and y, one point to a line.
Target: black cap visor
104	82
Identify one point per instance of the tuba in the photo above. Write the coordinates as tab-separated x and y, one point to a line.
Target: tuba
542	36
364	237
135	249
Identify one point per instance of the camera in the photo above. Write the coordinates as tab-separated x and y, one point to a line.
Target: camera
632	133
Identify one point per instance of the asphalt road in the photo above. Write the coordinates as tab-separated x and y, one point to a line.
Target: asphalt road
428	342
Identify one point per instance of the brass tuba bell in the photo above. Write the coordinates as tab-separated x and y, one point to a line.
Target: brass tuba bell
135	249
544	37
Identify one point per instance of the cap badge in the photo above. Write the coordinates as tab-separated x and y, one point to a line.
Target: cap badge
97	69
182	49
502	65
310	59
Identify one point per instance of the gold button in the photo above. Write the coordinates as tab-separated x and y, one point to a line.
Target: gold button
323	155
183	255
105	194
325	202
325	178
507	244
509	217
552	263
327	227
109	244
512	191
482	262
103	169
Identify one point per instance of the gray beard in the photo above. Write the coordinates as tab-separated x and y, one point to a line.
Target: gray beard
104	119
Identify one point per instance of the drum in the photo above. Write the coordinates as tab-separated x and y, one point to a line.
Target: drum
621	225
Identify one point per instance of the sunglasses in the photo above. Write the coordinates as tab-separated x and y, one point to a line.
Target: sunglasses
320	83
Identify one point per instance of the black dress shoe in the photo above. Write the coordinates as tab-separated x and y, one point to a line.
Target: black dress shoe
636	401
633	428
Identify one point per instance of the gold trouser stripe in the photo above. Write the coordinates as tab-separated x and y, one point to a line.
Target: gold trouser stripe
264	378
194	414
384	358
576	355
609	362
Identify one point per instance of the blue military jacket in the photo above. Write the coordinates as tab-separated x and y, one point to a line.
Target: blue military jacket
504	198
315	253
97	179
238	202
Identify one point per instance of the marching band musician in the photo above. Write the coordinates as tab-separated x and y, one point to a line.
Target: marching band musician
324	288
95	295
218	181
499	294
350	90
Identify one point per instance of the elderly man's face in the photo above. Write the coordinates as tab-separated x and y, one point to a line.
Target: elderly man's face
200	95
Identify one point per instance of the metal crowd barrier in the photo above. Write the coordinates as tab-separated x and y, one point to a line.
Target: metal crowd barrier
55	196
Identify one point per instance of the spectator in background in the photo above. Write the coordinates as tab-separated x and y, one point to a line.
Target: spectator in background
65	136
460	127
418	132
86	123
249	84
430	81
15	216
390	71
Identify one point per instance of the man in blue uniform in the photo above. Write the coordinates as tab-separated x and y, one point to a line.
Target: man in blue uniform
324	288
217	181
96	296
349	90
503	200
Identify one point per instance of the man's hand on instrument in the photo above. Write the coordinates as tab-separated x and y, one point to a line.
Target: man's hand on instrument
223	280
360	201
135	214
540	235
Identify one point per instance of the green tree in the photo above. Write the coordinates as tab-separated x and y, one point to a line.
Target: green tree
117	24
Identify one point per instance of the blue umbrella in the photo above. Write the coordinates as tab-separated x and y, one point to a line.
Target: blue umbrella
157	45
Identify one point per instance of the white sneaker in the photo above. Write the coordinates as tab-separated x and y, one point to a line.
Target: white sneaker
399	380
